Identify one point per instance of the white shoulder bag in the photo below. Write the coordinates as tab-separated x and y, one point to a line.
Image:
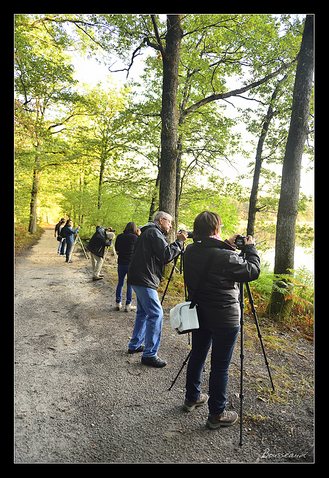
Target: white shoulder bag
184	316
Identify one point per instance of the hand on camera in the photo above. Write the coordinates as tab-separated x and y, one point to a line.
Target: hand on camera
249	240
231	240
182	236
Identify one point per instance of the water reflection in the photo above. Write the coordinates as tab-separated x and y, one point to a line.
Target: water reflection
303	258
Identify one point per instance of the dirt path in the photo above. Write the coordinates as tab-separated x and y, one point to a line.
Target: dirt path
79	398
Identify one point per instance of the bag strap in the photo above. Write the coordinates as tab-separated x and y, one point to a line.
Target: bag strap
202	278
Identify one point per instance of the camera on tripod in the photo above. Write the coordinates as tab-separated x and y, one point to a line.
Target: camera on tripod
239	242
189	233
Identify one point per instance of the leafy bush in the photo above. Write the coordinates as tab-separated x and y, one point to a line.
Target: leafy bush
23	239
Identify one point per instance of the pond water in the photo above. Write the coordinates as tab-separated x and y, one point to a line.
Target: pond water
303	258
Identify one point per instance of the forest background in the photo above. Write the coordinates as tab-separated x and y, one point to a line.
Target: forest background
204	124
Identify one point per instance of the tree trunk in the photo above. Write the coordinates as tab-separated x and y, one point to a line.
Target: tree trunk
34	196
178	178
154	199
290	183
100	183
258	163
169	116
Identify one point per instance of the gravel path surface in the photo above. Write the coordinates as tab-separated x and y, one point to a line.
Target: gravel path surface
80	398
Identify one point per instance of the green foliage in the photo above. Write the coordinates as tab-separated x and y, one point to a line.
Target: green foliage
198	199
297	287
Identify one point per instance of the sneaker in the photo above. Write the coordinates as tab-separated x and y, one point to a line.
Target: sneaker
119	306
189	406
130	308
153	362
135	351
225	419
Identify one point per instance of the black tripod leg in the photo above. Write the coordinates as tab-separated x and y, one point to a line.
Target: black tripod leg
184	363
241	358
170	276
258	331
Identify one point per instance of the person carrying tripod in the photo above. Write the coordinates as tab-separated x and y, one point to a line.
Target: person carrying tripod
219	311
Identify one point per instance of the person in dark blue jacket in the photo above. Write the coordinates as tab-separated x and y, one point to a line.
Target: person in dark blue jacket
218	306
152	252
124	247
69	234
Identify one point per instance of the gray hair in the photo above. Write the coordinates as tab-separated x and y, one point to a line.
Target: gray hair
161	214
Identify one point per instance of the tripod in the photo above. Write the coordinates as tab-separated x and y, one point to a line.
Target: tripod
172	271
251	301
78	240
163	296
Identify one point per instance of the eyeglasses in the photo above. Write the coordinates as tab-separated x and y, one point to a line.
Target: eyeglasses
169	220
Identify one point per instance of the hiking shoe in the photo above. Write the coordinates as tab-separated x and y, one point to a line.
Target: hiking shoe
130	308
119	306
189	406
225	419
135	351
153	362
97	278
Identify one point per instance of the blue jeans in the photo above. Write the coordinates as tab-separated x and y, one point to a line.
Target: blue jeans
61	247
222	341
122	272
69	246
148	321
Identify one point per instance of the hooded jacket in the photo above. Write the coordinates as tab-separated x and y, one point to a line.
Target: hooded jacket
152	252
99	240
221	270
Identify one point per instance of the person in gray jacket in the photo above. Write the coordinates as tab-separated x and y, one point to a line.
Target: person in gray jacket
219	310
146	268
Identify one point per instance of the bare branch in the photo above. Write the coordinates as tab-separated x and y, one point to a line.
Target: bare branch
221	96
157	36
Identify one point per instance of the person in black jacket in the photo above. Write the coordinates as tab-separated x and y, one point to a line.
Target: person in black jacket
124	246
152	252
102	237
61	246
218	309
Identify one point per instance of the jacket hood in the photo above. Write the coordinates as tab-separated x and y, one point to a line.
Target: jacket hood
147	226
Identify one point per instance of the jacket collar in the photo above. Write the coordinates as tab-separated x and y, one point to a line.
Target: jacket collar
210	242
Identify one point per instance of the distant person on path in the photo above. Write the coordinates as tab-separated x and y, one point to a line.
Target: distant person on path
152	252
102	238
218	307
61	246
124	247
69	235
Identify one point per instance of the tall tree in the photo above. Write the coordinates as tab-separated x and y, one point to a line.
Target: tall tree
169	112
43	81
290	183
253	207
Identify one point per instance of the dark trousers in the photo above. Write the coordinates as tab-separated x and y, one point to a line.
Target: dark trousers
69	246
222	341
